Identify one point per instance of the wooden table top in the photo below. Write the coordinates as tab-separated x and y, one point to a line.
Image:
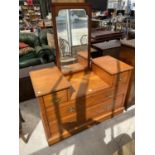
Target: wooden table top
107	45
111	65
48	80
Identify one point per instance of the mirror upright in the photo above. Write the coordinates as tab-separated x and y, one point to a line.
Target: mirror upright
72	35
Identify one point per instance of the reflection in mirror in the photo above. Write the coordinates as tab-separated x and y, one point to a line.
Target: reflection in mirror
72	32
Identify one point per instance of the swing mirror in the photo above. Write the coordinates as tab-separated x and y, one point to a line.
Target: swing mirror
72	35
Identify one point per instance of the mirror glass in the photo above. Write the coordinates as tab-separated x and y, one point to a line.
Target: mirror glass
72	32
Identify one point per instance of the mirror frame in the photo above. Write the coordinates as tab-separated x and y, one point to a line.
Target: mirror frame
56	7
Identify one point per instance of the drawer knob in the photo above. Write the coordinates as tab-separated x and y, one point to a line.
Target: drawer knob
120	79
56	100
71	109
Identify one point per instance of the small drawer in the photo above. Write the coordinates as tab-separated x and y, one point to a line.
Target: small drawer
55	98
58	112
121	78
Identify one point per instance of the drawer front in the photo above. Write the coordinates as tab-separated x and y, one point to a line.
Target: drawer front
102	96
121	78
98	97
112	80
57	127
120	89
72	121
58	112
105	107
55	98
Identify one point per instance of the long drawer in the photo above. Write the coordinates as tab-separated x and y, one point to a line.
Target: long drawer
64	124
73	120
58	113
64	109
104	107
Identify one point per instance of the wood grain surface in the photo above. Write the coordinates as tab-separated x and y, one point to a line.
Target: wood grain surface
48	80
111	65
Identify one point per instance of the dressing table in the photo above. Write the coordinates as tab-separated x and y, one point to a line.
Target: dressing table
79	92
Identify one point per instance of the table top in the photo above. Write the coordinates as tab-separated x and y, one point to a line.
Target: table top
107	45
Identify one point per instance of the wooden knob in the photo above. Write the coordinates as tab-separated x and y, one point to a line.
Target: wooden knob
71	109
57	100
120	79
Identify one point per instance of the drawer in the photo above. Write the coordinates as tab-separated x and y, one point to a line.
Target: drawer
121	78
120	89
102	96
55	98
104	107
98	97
58	127
73	121
58	112
79	109
112	80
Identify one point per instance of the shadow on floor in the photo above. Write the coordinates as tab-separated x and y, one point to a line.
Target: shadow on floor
94	141
31	117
